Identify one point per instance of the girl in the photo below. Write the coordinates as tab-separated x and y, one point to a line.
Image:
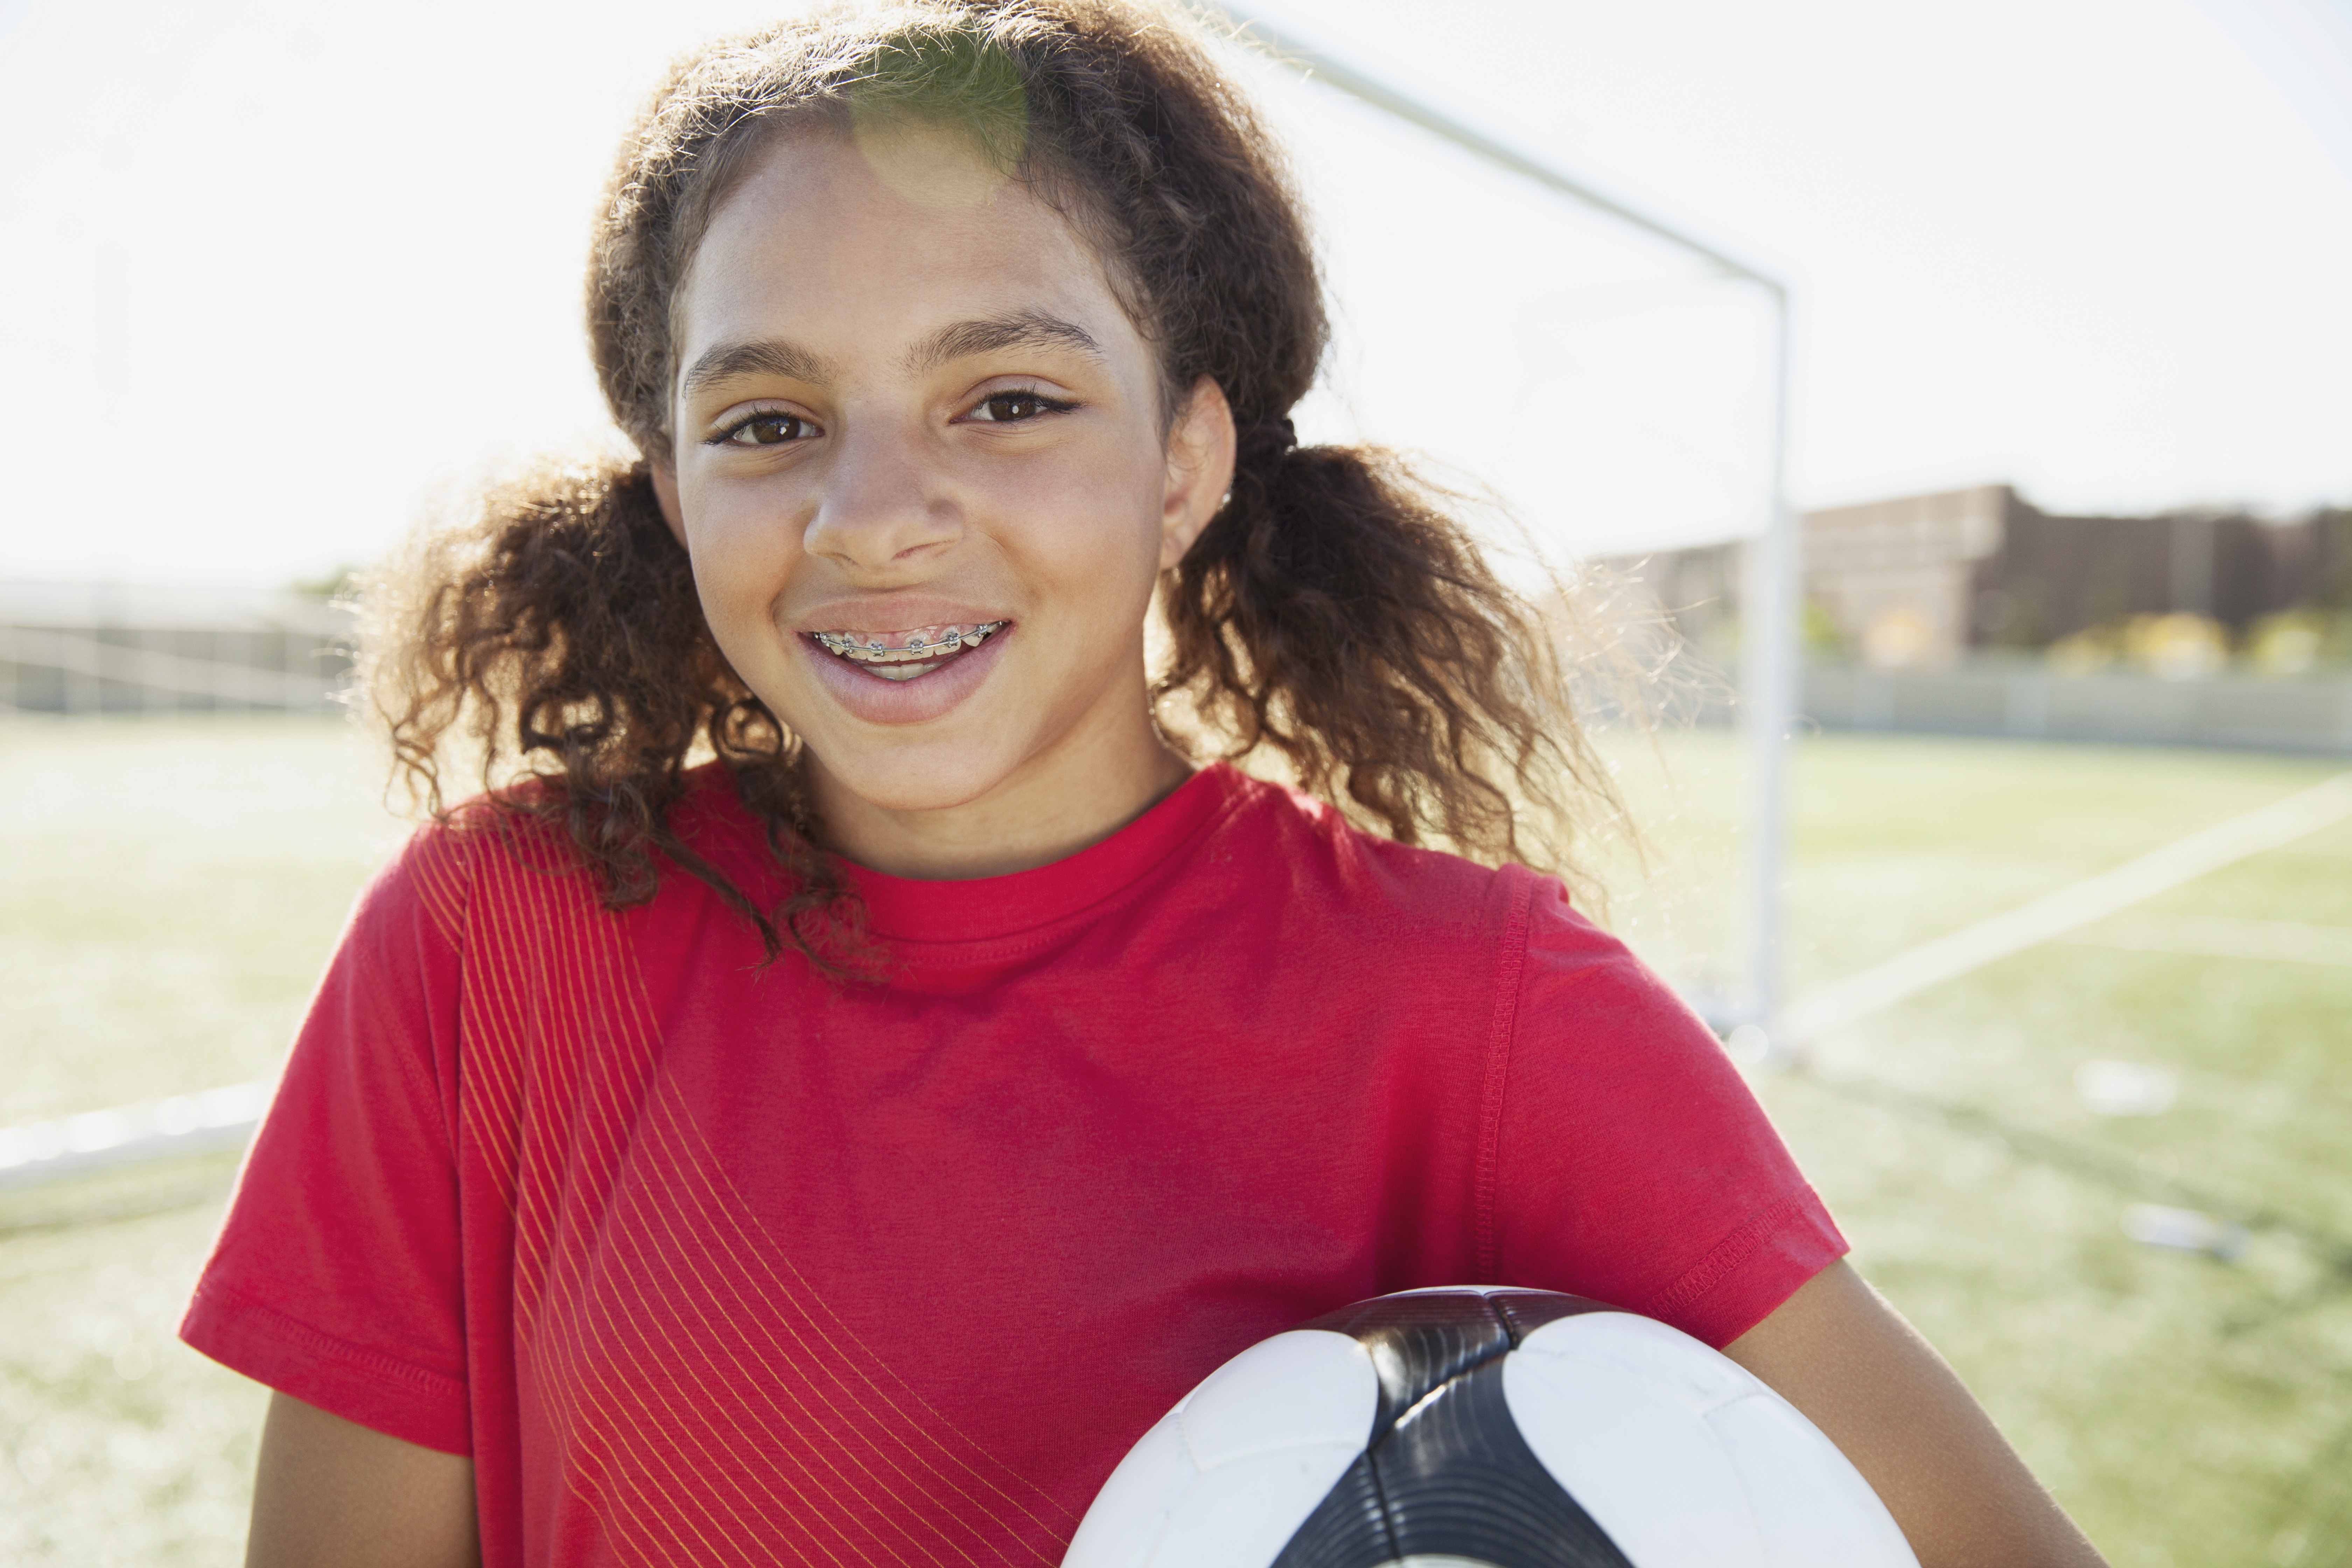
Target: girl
862	1072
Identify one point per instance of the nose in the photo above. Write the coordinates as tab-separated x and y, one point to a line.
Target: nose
883	505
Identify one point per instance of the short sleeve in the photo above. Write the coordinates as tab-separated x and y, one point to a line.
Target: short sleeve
336	1278
1633	1165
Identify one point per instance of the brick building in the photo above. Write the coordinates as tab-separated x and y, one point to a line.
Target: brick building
1919	580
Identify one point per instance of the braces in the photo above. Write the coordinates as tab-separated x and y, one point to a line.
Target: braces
875	651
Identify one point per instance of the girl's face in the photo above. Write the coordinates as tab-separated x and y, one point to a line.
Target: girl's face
923	473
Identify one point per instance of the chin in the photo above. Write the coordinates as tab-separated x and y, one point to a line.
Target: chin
914	778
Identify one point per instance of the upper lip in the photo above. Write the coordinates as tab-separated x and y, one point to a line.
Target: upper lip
892	613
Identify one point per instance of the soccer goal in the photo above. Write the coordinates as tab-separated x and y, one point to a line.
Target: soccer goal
1618	384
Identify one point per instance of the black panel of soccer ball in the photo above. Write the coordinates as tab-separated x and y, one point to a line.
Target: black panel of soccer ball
1439	1359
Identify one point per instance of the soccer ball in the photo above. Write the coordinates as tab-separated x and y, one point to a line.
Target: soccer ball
1510	1428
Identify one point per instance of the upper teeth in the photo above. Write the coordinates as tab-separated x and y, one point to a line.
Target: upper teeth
925	643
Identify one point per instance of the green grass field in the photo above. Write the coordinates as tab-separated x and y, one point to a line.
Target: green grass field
172	888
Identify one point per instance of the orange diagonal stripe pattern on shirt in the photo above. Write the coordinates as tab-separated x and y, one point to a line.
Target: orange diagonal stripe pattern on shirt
705	1403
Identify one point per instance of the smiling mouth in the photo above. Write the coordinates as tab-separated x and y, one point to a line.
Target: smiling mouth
903	655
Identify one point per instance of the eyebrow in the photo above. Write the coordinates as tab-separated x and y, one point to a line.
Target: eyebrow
958	339
768	356
1020	329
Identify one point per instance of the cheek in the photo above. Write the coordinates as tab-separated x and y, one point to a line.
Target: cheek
1096	526
742	561
741	554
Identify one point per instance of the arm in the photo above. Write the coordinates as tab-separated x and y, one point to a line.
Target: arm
1838	1352
329	1493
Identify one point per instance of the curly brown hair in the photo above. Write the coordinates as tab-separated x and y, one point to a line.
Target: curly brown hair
1335	614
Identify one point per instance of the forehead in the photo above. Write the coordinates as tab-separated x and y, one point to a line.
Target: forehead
856	245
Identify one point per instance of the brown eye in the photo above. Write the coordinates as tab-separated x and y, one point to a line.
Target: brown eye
768	430
1010	407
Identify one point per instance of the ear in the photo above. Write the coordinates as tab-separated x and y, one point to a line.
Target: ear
1200	469
666	493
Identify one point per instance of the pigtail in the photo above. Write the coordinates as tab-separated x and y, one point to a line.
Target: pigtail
552	637
1335	612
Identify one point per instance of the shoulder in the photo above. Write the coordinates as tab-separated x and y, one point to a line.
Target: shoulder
436	878
1574	998
1321	862
514	847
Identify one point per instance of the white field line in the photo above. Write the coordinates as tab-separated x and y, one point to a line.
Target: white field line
2227	936
2068	908
131	1135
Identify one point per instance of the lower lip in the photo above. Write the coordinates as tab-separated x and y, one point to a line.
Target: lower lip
878	701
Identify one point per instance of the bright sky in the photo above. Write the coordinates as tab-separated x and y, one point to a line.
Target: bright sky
275	268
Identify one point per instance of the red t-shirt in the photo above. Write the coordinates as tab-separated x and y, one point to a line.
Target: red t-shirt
702	1260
